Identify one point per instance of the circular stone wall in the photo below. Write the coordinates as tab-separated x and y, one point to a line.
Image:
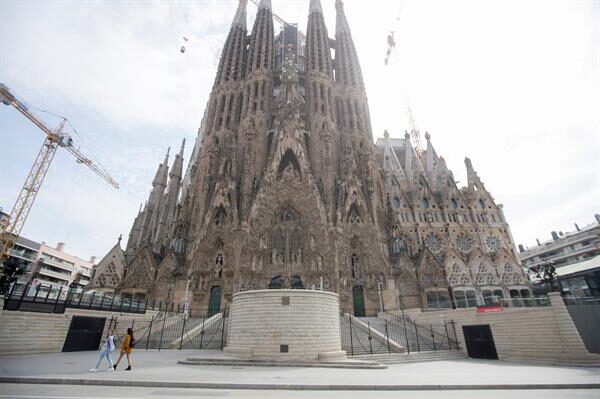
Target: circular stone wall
285	325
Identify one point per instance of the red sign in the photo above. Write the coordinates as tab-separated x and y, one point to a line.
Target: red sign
489	308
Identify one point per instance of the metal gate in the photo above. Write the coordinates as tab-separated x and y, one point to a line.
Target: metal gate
480	342
84	334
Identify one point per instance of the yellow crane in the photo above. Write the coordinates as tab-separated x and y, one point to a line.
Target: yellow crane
54	138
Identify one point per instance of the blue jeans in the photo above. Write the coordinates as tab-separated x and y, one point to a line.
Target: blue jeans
103	354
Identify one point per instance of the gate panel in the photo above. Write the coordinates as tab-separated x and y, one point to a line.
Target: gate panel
480	342
84	333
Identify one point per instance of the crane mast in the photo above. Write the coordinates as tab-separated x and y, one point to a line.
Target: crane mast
55	138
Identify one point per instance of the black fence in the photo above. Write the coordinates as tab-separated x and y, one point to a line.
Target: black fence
51	299
172	330
374	335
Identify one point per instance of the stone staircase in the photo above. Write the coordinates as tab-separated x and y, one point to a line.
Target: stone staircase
414	357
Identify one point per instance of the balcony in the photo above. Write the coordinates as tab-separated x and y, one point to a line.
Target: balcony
43	281
53	273
23	255
57	263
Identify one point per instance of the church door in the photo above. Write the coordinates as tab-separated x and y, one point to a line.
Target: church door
359	301
214	306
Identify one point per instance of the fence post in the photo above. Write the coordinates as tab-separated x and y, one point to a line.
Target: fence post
351	342
80	297
182	332
202	331
102	301
432	336
57	298
23	295
37	290
222	329
370	338
149	332
387	336
455	337
447	335
91	300
417	336
48	294
405	332
162	331
112	302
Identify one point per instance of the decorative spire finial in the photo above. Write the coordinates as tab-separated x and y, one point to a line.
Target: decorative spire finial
315	6
265	4
240	15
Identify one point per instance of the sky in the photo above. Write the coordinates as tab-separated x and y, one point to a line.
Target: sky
512	84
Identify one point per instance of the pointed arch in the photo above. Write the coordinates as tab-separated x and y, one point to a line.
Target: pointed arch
289	158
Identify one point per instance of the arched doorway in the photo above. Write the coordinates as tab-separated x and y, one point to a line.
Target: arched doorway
296	283
358	301
214	305
276	283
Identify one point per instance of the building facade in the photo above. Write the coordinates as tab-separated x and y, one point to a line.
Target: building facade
575	255
564	248
285	188
49	266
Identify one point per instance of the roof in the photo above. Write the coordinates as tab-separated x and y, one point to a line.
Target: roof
588	264
26	242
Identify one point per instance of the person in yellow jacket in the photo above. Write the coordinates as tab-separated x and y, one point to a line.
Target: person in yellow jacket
127	349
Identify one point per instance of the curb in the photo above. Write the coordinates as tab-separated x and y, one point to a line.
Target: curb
288	387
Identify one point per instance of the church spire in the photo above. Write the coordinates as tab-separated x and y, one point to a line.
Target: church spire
240	15
232	57
317	42
260	52
347	67
315	6
265	4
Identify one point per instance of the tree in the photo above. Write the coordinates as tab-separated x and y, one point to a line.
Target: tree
13	268
544	276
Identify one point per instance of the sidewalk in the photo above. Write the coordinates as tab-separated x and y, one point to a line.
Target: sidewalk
160	369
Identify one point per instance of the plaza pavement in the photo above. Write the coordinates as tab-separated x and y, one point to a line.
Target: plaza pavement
154	369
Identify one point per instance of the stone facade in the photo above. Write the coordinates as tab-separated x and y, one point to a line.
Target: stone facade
286	189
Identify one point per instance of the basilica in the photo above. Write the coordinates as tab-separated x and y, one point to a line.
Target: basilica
286	188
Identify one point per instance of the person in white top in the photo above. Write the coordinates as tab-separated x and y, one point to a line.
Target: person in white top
107	348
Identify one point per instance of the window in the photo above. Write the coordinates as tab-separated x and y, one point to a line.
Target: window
425	203
459	299
396	202
471	298
465	298
438	299
453	204
516	298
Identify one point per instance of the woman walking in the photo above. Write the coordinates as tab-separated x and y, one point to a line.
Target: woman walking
126	349
107	348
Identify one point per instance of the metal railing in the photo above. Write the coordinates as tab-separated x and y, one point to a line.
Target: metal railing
167	330
374	335
581	300
52	299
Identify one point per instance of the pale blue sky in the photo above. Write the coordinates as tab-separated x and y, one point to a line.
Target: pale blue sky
514	85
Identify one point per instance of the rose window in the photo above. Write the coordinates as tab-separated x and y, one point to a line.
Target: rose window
433	243
464	243
492	243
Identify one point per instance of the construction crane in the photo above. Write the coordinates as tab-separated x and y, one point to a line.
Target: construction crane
54	138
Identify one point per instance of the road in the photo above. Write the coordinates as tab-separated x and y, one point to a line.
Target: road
23	391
